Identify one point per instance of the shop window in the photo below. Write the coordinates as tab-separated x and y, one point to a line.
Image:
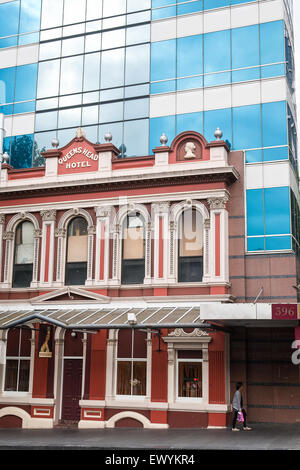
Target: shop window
189	370
18	360
23	256
131	363
190	247
77	252
133	253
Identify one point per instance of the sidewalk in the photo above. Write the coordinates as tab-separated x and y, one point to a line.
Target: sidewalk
261	437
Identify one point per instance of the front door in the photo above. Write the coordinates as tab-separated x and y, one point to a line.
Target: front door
72	389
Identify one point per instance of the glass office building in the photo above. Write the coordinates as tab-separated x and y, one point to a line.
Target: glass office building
138	68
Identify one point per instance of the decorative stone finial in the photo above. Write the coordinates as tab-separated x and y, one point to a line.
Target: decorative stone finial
163	139
5	157
218	134
108	137
55	143
80	133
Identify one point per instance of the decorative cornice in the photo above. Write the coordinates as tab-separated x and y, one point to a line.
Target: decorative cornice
179	332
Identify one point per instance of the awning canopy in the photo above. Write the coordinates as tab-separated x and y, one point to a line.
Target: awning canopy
107	317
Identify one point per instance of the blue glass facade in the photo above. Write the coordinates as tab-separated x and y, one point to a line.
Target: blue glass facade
100	67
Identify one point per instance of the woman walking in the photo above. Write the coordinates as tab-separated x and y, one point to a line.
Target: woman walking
237	406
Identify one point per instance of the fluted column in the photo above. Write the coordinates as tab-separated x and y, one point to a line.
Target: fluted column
218	252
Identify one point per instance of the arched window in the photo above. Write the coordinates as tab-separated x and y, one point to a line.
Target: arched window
133	253
23	256
77	252
190	246
18	360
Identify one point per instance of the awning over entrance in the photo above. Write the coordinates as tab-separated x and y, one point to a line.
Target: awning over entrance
107	317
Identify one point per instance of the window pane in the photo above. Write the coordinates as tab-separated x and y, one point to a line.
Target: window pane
139	378
163	60
48	79
74	11
278	243
93	42
255	212
256	244
189	55
136	137
69	117
91	80
271	42
136	109
71	75
52	11
13	342
50	50
247	127
245	46
117	7
73	46
165	124
112	68
277	210
274	124
93	9
124	378
217	51
191	234
218	118
77	240
11	375
21	151
189	122
137	64
111	112
9	18
30	15
138	34
26	77
7	84
133	246
24	376
115	38
190	379
135	5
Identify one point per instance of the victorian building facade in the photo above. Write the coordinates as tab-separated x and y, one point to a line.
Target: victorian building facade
124	287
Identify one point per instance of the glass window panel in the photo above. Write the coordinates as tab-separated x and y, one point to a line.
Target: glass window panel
137	90
13	343
135	5
77	241
65	136
272	70
11	375
91	133
279	153
190	379
272	42
136	108
255	212
189	83
24	243
125	343
246	74
112	68
190	55
247	127
218	118
9	18
133	247
8	42
93	26
48	79
93	9
139	378
70	100
140	344
256	244
7	84
159	125
73	46
26	78
245	46
27	107
217	79
7	110
71	75
90	115
136	137
115	38
141	17
28	39
74	11
137	64
110	95
50	50
162	3
51	34
91	79
163	13
189	122
277	210
74	29
21	151
278	243
191	234
45	121
191	7
52	11
92	97
163	60
117	7
163	87
114	22
93	42
210	4
124	378
116	130
111	112
69	117
217	54
30	16
253	156
274	124
138	34
42	142
24	368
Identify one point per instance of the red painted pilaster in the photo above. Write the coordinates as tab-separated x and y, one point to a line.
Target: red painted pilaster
98	366
159	373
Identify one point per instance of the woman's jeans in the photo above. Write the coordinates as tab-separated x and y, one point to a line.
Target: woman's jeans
235	413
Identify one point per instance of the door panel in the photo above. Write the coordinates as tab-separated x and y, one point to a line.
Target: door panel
72	389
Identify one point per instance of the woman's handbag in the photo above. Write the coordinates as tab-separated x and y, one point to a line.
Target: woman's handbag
240	417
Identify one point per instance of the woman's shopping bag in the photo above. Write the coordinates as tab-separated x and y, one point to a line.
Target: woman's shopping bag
240	417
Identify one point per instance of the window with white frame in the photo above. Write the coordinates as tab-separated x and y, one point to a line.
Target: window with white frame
131	363
77	252
190	246
18	355
23	255
189	374
133	252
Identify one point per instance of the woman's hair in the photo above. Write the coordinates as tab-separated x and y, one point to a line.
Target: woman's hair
238	385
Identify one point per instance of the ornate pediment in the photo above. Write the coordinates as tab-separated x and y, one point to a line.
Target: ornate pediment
69	294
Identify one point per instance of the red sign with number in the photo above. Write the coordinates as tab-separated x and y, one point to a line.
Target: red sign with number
284	312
